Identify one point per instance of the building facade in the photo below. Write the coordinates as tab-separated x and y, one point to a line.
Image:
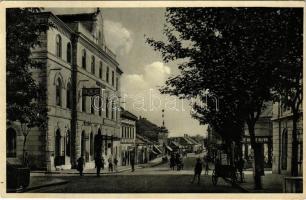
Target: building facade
75	57
282	140
128	136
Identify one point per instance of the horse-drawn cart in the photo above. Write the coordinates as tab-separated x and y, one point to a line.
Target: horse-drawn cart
224	171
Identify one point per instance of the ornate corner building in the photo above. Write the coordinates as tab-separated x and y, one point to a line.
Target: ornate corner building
75	57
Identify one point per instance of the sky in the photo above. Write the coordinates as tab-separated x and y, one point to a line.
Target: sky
125	31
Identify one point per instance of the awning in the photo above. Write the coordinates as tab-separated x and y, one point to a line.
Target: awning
157	149
169	148
154	152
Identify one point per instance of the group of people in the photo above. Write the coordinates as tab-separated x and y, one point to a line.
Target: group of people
99	164
176	160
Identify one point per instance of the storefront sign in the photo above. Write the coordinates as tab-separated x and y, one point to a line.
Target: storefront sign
91	91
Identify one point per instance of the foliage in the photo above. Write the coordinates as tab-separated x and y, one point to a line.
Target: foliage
233	52
26	97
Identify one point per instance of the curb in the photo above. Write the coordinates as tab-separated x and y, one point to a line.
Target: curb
102	173
45	185
237	185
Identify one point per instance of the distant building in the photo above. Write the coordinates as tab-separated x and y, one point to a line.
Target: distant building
147	129
128	136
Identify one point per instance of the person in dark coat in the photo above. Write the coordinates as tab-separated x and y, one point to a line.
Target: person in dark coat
172	162
80	165
98	162
116	164
197	170
132	161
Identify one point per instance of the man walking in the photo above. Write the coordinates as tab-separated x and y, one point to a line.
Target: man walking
80	165
110	164
116	164
197	170
132	161
98	162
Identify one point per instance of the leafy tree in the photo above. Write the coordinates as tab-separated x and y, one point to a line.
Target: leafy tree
288	75
233	52
26	98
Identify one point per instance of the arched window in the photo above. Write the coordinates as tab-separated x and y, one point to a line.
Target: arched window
83	143
57	143
69	96
113	78
68	143
101	70
93	63
92	106
107	108
84	59
69	52
100	106
284	149
11	138
83	103
58	46
58	92
107	74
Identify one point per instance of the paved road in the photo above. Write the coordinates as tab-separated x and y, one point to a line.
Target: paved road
158	179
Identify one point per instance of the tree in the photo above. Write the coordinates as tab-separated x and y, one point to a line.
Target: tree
26	98
233	52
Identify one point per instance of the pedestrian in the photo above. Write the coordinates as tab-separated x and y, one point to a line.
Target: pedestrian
172	162
98	162
197	171
80	165
132	161
240	167
206	165
110	164
102	162
116	164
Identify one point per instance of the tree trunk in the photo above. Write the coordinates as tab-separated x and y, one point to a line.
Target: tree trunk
294	159
23	148
257	169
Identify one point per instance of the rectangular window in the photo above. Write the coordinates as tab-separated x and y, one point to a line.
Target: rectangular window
117	84
83	103
92	108
107	74
113	78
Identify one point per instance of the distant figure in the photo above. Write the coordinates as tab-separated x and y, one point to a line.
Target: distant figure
206	165
132	161
197	170
116	164
110	164
172	162
98	162
80	165
178	161
102	162
240	166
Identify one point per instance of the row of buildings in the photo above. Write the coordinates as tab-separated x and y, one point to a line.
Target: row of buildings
82	81
273	132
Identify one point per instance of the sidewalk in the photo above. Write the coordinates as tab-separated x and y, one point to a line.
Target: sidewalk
151	163
40	179
271	183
